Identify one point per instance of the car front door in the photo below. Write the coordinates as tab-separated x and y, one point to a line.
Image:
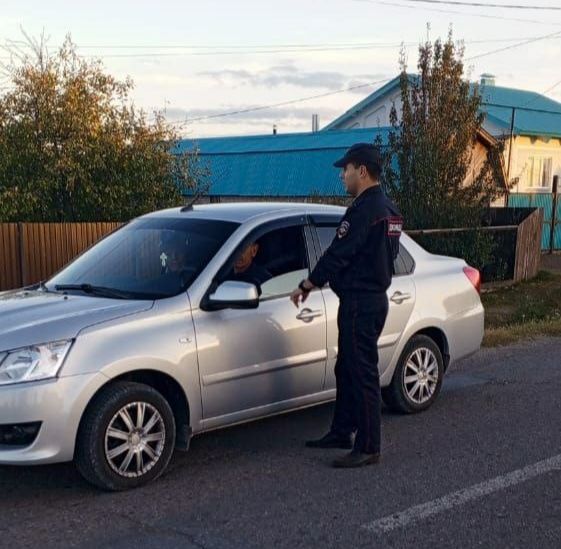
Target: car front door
258	361
401	296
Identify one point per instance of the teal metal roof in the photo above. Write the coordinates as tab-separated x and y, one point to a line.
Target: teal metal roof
535	114
298	164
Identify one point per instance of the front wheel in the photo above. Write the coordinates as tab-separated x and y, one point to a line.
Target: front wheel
417	378
126	437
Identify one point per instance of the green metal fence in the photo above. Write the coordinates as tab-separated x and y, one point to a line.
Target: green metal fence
551	206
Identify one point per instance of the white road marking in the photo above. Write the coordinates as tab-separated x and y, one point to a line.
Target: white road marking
424	510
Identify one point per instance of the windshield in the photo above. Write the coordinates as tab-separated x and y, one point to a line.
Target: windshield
147	259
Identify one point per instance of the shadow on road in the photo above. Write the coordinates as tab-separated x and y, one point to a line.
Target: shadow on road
280	435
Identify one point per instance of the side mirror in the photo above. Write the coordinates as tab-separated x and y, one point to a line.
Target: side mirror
233	295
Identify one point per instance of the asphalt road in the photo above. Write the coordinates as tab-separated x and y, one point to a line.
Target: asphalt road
481	468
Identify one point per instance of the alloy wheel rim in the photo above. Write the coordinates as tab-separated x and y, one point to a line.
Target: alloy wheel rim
420	375
135	439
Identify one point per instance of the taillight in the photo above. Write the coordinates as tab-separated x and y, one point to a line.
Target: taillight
474	277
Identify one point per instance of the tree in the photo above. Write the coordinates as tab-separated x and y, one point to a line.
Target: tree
430	152
74	148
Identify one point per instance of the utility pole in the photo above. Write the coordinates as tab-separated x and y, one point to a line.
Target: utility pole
553	214
510	147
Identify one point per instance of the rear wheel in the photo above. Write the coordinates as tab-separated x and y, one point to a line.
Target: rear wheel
126	437
417	378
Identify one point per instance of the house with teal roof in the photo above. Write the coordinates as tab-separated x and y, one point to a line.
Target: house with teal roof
296	166
529	122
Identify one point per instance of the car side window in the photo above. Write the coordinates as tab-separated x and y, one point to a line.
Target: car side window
325	236
408	261
403	264
276	262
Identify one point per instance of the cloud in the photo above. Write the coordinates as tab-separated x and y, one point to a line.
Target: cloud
288	74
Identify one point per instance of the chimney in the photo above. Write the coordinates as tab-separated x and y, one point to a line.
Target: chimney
315	123
487	79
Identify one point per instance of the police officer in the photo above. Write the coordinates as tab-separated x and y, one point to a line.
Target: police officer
358	266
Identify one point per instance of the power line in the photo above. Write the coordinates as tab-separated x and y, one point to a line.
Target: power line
534	99
275	105
273	46
558	83
300	49
463	13
483	5
293	101
309	50
306	49
234	46
502	106
241	52
523	43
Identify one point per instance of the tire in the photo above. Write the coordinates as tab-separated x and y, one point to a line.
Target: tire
401	396
100	457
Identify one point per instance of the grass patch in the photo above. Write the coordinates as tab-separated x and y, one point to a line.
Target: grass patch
523	311
508	335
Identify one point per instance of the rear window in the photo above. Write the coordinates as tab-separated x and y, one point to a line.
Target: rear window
404	263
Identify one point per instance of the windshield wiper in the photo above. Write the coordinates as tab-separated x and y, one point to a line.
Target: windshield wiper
101	291
40	287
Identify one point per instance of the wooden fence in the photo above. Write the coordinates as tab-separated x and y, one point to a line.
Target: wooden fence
31	252
524	254
528	248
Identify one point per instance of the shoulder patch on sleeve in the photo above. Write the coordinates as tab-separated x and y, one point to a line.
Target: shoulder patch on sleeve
343	229
395	226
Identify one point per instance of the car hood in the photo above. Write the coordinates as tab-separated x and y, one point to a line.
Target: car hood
30	317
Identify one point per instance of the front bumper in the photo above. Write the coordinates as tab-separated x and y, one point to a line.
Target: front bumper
58	405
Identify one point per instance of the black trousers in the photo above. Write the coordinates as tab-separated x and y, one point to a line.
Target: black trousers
361	319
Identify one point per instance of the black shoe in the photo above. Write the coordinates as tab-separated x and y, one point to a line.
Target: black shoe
331	440
356	459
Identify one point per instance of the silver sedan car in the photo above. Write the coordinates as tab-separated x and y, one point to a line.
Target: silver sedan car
180	323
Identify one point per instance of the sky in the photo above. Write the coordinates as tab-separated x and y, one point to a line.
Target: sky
199	60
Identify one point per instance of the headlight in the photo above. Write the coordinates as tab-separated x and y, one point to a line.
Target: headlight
33	363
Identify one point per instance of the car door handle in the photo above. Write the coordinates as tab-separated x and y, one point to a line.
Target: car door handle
400	297
307	315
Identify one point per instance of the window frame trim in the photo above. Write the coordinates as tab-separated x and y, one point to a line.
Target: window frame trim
258	232
328	220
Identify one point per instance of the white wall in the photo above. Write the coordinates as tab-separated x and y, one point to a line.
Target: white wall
377	115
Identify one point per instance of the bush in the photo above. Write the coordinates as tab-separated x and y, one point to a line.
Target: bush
490	252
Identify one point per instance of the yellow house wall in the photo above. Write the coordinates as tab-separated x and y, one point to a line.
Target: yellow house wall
523	146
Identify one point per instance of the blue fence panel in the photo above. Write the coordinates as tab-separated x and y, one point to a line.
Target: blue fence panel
557	233
544	201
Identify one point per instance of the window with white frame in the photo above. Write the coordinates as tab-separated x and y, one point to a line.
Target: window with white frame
535	170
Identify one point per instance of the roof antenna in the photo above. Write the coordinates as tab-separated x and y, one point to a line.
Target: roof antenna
198	194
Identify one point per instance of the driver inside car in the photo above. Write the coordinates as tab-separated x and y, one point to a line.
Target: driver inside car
247	270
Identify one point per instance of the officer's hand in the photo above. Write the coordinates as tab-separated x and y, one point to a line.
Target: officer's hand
298	296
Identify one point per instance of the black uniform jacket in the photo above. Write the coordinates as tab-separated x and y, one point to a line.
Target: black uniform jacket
361	256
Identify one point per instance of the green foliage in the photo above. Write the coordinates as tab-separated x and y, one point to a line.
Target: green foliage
74	148
476	247
429	161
